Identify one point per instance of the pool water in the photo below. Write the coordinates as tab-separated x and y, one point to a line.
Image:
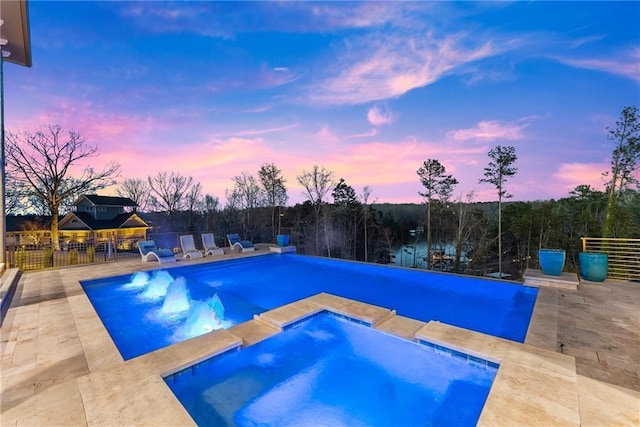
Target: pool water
327	370
135	312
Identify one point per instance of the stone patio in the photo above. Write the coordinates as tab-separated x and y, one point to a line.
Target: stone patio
579	365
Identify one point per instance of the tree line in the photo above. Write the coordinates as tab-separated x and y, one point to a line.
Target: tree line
335	220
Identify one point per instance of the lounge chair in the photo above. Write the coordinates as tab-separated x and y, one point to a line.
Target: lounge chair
150	252
237	244
189	249
209	244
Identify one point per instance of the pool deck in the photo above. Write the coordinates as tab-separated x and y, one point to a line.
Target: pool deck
579	365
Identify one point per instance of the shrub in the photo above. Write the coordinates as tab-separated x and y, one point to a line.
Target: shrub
21	256
48	257
73	256
91	253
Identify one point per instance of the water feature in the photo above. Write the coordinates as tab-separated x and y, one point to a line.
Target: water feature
204	316
189	317
177	298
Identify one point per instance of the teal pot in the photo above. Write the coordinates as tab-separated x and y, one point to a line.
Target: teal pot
593	266
551	261
282	239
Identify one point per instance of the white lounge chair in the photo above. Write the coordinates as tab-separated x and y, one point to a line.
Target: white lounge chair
237	244
209	245
189	249
150	252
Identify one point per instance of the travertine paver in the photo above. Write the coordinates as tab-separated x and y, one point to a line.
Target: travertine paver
60	367
600	326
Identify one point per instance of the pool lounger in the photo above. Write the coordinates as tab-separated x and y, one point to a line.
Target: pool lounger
209	244
189	249
237	244
150	252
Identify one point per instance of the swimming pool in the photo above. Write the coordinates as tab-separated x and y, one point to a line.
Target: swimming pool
146	312
328	370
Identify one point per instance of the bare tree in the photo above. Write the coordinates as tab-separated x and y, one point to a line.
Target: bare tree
195	202
248	191
41	162
137	190
211	206
500	168
15	197
232	208
466	224
168	192
317	183
275	191
437	183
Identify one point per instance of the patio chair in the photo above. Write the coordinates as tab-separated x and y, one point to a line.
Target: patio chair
209	245
189	249
150	252
237	244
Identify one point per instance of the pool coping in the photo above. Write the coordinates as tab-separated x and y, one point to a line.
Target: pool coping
533	386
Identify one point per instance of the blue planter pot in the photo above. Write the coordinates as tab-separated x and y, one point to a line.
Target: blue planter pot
551	261
282	239
593	266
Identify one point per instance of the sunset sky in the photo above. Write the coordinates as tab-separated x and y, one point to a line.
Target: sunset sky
369	90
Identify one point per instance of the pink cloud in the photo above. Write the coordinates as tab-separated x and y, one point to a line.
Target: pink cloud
325	135
574	174
380	114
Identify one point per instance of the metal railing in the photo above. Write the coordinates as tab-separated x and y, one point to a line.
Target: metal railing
42	254
623	256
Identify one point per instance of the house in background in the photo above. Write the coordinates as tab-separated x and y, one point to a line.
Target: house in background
101	219
96	220
28	230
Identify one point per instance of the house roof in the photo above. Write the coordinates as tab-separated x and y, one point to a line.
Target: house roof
107	200
120	221
25	222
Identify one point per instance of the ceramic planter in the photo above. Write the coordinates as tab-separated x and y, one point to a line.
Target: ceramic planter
282	239
551	261
593	266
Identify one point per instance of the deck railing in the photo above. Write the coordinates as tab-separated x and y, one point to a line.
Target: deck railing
42	255
623	256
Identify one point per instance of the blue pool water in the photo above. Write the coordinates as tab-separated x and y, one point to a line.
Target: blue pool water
330	371
135	311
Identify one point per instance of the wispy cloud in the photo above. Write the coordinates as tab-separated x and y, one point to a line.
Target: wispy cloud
372	132
625	65
490	130
380	114
249	132
389	65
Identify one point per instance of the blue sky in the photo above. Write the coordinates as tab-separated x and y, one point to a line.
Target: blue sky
369	90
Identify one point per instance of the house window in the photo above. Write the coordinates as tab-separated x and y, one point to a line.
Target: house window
74	221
